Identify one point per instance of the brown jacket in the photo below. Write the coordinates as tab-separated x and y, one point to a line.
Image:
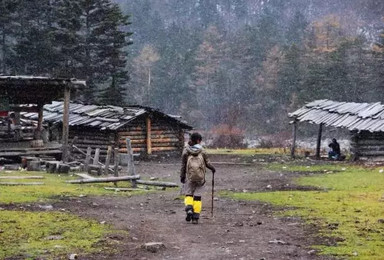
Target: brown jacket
196	149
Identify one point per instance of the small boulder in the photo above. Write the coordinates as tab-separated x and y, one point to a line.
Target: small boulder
277	242
153	247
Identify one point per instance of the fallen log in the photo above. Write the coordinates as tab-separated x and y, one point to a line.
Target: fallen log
21	177
158	183
124	189
108	179
84	176
21	183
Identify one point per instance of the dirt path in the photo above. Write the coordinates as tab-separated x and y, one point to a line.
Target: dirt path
239	230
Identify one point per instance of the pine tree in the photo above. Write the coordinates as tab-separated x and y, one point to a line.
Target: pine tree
98	42
296	30
7	29
66	37
113	49
34	51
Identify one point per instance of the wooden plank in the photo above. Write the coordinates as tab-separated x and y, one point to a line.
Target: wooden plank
116	162
108	179
84	176
97	156
294	133
124	189
131	164
21	177
157	183
67	95
21	183
318	145
53	152
108	160
148	135
87	158
39	121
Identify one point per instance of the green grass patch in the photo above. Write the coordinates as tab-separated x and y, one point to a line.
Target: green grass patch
349	207
54	187
32	234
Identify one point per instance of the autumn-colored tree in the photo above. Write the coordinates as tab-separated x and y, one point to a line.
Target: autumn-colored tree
327	33
210	57
143	65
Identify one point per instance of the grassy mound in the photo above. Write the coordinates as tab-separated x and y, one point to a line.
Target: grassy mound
349	209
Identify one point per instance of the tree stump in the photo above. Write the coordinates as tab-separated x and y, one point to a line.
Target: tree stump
34	166
52	166
94	169
63	168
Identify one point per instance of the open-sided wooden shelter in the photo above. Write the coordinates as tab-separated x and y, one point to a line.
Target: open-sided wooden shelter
149	130
30	94
365	121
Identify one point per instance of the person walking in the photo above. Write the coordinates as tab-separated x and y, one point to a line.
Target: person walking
194	163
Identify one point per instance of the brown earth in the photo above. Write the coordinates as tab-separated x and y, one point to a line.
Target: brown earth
238	230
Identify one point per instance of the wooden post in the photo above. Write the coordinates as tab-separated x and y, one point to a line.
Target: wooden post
149	141
39	122
116	165
294	131
318	146
116	161
97	156
108	160
131	163
87	159
67	96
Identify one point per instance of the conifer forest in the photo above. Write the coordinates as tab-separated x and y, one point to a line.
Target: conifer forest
240	64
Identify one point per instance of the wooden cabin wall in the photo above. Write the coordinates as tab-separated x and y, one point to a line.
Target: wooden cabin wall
165	136
92	138
367	144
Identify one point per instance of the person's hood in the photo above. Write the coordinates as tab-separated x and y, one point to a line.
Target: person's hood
194	149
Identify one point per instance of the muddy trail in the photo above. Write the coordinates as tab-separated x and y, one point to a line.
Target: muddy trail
238	230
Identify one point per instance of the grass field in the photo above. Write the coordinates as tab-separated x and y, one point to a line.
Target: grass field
348	207
29	234
49	234
54	187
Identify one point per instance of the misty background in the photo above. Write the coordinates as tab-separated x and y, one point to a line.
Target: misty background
227	66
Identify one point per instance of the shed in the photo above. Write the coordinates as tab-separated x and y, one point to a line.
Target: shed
30	94
97	126
365	121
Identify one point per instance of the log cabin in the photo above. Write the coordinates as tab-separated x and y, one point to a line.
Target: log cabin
96	126
29	94
364	121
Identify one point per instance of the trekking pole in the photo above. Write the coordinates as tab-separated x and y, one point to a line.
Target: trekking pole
213	191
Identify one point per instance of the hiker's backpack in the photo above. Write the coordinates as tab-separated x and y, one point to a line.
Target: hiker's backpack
196	168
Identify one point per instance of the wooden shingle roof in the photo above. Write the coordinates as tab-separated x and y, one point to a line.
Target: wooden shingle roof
100	117
350	115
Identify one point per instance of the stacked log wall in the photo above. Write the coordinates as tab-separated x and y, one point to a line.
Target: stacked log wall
165	136
368	145
92	138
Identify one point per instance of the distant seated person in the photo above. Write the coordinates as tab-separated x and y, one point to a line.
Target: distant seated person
335	153
14	129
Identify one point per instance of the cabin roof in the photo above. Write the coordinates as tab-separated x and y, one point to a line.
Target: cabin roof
105	117
35	90
349	115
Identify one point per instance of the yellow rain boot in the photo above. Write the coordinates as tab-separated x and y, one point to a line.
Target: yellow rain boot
197	205
188	201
